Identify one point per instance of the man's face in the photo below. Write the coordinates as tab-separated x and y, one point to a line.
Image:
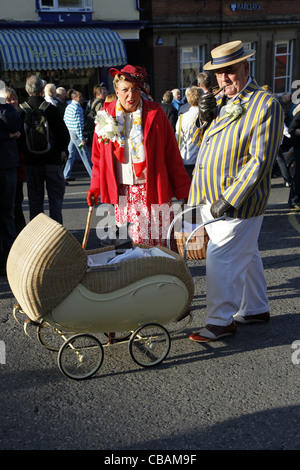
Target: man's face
79	98
233	78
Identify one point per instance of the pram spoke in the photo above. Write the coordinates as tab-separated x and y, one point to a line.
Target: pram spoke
149	345
80	356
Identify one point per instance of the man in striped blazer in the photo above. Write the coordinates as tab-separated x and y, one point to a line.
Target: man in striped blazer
238	143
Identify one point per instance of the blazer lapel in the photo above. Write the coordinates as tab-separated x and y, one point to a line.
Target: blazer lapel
242	98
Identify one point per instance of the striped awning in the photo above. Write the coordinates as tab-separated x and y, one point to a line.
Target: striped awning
60	48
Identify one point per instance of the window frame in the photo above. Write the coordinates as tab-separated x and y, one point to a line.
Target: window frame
288	68
251	60
87	5
200	61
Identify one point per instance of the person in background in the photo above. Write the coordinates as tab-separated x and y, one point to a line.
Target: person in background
69	93
74	120
188	148
20	222
10	125
50	93
45	170
61	103
294	131
239	136
137	167
204	81
96	103
171	112
146	94
110	97
176	99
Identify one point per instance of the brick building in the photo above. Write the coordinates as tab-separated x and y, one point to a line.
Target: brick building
179	36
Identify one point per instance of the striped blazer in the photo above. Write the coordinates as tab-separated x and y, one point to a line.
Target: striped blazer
236	155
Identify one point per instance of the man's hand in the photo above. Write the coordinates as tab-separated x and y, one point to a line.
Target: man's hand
207	107
92	196
219	207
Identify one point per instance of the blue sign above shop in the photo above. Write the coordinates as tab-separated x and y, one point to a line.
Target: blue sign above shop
65	17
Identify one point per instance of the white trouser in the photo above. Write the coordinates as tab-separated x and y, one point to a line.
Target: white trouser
235	281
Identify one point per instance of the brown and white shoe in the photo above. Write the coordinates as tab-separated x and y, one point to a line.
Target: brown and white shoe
213	333
259	318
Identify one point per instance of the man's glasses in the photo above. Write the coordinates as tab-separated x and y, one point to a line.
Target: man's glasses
228	70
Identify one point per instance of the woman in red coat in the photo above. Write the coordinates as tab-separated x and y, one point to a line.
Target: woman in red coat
137	165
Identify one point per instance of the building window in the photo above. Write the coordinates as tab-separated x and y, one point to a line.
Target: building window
65	4
283	54
191	63
251	60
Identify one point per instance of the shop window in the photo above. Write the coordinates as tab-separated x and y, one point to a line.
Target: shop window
191	63
66	4
251	60
283	54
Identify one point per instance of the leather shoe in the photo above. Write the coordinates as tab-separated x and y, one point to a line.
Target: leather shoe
259	318
213	333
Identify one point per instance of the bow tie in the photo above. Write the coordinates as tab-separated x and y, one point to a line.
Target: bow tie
225	100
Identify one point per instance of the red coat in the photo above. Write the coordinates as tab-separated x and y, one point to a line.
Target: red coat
166	175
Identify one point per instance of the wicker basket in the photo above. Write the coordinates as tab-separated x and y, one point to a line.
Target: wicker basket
197	246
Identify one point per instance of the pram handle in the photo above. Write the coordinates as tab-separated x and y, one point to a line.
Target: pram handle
88	223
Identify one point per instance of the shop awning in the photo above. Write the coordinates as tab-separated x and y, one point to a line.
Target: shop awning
60	48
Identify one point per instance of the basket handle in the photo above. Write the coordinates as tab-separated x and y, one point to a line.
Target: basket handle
180	214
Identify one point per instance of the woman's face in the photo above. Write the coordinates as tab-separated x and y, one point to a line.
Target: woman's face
13	100
129	95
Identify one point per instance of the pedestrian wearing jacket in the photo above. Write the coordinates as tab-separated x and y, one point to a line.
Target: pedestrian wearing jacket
74	120
140	164
45	170
10	125
294	131
232	179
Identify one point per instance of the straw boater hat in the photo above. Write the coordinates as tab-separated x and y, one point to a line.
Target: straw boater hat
135	74
228	54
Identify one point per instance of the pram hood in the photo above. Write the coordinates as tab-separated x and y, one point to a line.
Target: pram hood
44	265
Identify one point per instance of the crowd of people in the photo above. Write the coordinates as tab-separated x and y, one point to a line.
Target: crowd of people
212	150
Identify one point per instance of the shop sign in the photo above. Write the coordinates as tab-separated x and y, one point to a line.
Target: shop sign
66	53
72	17
245	6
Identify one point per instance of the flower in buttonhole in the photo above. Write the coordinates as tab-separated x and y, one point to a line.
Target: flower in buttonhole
234	110
108	128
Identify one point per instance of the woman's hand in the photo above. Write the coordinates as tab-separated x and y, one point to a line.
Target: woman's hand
92	196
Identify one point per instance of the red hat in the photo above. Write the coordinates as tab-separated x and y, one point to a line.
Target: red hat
135	74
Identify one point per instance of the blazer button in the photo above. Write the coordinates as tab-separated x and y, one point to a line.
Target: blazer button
207	142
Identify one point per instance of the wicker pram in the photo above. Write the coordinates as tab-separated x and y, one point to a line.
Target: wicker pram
46	263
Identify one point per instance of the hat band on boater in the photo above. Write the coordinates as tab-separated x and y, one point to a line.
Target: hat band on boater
228	58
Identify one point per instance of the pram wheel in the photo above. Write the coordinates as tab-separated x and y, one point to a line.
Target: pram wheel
149	345
80	356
